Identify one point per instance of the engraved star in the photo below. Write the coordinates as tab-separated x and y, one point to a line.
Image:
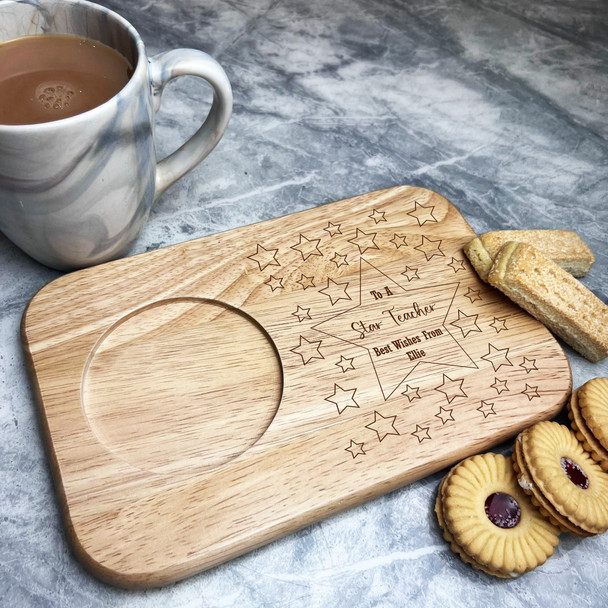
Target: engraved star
378	216
274	282
301	313
531	392
355	449
466	323
500	386
499	325
307	247
421	433
346	363
306	282
497	357
383	425
335	291
456	265
423	213
445	415
264	257
398	241
308	350
399	329
364	241
333	229
472	294
411	392
339	260
451	388
430	248
343	398
487	409
411	274
528	365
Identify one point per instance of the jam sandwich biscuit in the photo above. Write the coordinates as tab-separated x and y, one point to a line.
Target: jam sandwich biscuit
554	297
553	467
524	478
564	247
588	413
489	521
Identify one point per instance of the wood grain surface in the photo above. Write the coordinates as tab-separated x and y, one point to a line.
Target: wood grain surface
201	400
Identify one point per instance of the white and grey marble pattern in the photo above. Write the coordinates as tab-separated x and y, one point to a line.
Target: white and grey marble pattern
499	105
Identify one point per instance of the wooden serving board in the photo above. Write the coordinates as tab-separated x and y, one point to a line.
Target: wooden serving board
201	400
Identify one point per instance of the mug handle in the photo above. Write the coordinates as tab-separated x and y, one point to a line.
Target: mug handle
190	62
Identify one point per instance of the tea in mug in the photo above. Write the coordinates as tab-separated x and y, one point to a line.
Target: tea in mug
49	77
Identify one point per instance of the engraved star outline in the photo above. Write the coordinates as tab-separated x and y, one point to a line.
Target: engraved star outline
264	257
386	394
383	426
423	213
421	433
307	247
487	409
355	449
445	414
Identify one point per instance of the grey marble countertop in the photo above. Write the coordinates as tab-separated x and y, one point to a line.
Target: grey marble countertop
500	106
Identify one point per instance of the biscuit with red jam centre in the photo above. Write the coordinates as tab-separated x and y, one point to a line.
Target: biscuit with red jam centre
566	475
584	434
492	520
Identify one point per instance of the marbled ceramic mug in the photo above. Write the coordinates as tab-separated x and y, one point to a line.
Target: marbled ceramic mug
77	191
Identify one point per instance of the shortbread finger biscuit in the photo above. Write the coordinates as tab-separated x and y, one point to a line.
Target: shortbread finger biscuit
584	434
491	519
450	539
564	247
526	483
593	402
554	297
566	475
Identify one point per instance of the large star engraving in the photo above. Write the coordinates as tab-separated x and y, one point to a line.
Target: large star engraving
364	241
383	425
335	291
399	329
466	323
430	248
308	350
422	213
264	257
307	247
342	398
